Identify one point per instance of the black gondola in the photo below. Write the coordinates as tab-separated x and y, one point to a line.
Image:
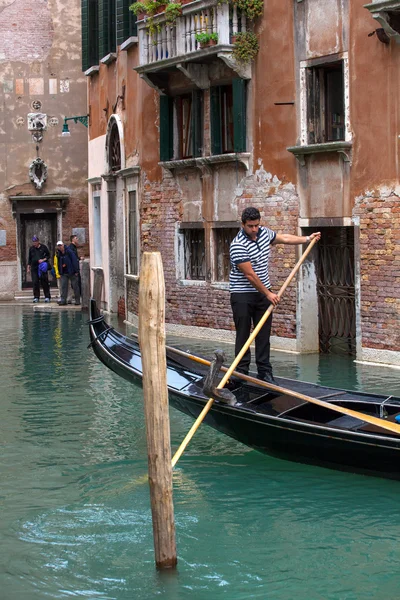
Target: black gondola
277	424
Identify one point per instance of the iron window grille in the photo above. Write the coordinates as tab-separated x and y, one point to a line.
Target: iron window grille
194	254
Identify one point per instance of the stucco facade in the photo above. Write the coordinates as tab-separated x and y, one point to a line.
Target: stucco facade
319	152
43	189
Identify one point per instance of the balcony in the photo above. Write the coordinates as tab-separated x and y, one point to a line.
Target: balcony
169	47
387	13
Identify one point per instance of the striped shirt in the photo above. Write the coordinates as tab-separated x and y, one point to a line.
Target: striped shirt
244	249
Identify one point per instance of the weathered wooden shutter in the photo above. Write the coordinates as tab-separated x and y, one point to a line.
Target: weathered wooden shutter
85	34
93	32
166	128
197	122
107	27
215	120
90	33
314	124
239	114
126	21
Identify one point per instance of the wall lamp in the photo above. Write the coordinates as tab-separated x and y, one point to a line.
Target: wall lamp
84	119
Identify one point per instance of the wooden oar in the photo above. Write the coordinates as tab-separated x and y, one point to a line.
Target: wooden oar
277	388
238	358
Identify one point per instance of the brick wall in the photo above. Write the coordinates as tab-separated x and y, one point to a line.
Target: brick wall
380	269
204	305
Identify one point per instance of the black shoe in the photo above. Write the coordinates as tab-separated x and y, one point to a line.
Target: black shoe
60	303
267	377
77	303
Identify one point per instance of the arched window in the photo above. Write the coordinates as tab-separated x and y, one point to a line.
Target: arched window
114	149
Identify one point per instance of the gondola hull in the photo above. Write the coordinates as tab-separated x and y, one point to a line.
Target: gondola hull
293	434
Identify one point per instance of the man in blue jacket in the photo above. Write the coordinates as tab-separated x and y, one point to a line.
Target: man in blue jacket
68	267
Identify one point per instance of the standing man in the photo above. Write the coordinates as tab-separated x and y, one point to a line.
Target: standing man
68	268
39	255
250	287
74	243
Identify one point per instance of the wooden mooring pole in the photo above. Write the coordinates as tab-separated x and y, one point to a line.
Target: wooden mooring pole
152	347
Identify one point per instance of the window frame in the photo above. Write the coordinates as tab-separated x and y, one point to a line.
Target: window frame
346	143
132	232
228	124
96	221
186	230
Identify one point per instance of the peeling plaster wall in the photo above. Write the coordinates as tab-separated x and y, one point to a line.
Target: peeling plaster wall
40	62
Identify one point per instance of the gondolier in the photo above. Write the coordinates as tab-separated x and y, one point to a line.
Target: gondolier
250	286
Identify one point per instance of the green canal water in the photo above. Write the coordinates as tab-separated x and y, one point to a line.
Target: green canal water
75	513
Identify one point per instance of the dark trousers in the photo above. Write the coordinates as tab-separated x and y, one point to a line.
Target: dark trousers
36	281
248	308
65	279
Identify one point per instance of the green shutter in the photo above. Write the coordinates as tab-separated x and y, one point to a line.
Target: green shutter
197	122
239	115
107	27
215	120
85	34
93	32
166	128
126	21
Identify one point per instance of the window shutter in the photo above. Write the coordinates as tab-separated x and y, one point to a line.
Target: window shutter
166	128
126	21
239	114
197	122
107	27
93	32
215	120
85	35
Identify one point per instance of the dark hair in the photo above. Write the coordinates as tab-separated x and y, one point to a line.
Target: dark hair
250	214
71	237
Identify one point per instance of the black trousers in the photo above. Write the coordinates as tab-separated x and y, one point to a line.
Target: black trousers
36	281
248	308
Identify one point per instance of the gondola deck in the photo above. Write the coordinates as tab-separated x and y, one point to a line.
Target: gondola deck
274	423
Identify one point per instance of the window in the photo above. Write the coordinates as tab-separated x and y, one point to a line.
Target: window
133	234
105	23
223	237
194	254
185	130
325	103
228	118
97	257
114	149
90	34
107	27
184	116
126	21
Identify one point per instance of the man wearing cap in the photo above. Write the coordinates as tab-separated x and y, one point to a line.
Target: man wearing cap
37	266
68	268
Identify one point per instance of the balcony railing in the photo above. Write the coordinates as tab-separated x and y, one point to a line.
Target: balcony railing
179	40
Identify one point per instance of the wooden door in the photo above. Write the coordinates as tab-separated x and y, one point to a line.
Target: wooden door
45	228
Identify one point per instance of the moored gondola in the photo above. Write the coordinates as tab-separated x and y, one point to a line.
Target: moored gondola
277	423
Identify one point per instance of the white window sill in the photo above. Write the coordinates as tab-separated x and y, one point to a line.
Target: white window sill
193	282
109	58
130	277
92	71
202	161
343	148
131	41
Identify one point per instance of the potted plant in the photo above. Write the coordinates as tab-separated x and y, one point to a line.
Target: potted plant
173	10
146	8
245	47
207	39
251	8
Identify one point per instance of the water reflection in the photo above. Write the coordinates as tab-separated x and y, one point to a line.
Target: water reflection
76	518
